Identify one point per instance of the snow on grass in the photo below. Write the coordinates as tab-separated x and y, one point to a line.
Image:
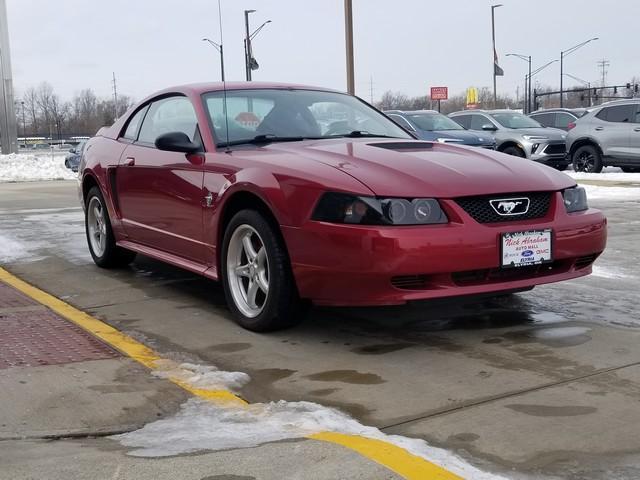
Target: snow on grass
201	425
34	167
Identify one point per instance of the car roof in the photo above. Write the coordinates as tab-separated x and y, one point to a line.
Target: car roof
200	88
486	112
568	110
622	101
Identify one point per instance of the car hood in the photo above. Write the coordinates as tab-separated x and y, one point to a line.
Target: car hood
551	133
469	138
411	168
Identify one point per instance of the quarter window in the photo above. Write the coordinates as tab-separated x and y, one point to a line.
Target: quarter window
132	128
563	120
173	114
546	119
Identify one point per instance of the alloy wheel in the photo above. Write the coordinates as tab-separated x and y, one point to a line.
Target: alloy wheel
97	226
248	270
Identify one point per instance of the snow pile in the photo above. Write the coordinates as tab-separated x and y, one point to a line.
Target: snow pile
201	376
597	192
202	425
28	168
608	174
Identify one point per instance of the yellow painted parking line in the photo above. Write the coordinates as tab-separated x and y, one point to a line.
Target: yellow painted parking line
391	456
396	459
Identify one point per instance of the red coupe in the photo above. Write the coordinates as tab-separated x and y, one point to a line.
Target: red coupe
289	194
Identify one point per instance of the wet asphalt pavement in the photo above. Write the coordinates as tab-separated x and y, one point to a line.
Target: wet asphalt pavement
544	383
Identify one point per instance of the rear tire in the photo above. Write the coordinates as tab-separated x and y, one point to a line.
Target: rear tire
587	159
515	151
256	275
100	238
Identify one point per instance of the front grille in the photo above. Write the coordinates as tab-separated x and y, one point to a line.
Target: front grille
410	282
555	149
481	210
499	275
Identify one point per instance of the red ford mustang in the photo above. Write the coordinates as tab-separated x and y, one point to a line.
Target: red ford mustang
290	194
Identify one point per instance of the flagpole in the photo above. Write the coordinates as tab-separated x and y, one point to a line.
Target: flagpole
493	41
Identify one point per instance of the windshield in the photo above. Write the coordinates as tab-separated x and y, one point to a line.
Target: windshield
515	120
293	114
433	121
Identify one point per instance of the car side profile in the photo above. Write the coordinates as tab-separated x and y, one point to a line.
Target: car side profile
558	117
435	127
609	135
290	195
518	135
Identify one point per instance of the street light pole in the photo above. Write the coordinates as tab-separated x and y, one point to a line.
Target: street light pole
493	55
526	58
535	72
348	33
564	54
219	48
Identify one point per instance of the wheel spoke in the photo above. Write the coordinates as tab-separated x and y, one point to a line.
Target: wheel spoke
251	293
262	282
261	258
242	270
249	250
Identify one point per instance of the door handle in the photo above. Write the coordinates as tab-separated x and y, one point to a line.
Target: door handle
599	128
129	162
637	129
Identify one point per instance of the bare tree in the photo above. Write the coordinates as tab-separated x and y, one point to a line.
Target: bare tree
31	108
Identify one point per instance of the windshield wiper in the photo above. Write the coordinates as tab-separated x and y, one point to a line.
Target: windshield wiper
358	134
262	140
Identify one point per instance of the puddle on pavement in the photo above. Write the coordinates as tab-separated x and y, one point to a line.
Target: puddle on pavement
381	349
347	376
270	375
551	411
230	347
551	337
323	392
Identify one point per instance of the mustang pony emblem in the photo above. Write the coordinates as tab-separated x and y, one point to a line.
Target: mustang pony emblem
510	206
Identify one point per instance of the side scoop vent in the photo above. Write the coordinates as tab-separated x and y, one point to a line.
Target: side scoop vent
404	146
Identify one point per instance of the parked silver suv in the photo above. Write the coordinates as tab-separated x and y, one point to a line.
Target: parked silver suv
517	134
607	135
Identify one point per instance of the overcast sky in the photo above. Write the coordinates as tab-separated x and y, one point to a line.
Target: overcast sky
403	45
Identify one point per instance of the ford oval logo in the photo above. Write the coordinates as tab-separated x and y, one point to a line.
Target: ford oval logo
527	253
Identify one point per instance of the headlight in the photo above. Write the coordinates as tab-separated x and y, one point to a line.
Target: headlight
535	137
362	210
575	199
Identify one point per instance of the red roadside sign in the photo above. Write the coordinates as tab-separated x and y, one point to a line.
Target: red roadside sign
439	93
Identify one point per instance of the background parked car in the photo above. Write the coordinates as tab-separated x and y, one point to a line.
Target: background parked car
516	134
609	135
558	117
436	127
72	160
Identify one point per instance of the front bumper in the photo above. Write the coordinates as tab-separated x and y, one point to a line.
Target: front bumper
364	265
552	153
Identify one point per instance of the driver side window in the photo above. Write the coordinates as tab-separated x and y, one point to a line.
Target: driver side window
172	114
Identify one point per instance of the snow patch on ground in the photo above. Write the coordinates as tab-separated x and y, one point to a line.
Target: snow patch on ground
12	250
201	425
597	192
609	174
205	377
606	272
31	167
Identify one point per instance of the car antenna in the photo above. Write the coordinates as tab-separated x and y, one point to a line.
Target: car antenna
224	84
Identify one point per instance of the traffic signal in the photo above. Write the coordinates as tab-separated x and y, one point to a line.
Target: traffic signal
628	86
636	88
615	90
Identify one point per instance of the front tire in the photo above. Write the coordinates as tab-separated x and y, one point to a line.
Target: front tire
587	159
256	274
100	238
515	151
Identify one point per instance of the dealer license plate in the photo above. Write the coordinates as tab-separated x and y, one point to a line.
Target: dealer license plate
520	249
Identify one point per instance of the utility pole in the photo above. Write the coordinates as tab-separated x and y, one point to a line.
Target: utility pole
247	46
494	54
603	64
8	121
115	98
348	33
371	90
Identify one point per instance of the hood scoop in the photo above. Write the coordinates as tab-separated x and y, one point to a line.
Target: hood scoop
404	146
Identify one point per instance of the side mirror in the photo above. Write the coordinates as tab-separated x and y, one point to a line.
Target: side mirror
176	142
489	127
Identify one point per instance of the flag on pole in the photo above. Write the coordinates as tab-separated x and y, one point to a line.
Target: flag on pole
497	71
